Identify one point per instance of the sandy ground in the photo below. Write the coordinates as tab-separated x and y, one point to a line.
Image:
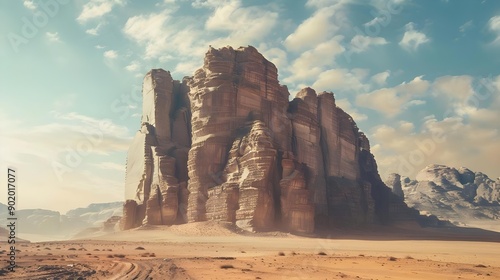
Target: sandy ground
217	251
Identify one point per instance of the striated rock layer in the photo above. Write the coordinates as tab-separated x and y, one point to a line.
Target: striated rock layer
227	144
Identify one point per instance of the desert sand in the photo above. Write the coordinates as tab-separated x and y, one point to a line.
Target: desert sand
214	250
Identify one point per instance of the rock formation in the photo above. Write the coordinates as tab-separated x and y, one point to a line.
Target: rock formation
394	182
227	144
459	195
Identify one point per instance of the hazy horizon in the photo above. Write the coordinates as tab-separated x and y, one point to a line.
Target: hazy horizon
422	86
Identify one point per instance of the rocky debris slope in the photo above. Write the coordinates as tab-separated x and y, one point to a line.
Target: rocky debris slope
459	195
227	144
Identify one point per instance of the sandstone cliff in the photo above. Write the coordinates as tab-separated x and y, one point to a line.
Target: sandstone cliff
227	144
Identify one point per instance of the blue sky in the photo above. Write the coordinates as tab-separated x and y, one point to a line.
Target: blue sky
420	78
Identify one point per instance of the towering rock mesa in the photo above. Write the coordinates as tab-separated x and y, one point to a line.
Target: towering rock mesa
227	144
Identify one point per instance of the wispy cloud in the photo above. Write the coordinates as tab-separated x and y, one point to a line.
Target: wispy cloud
312	62
134	66
466	26
94	31
29	4
361	43
381	78
390	101
494	26
413	39
324	23
345	105
111	54
53	36
96	9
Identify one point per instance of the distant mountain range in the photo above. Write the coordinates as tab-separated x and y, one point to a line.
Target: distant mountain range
461	196
53	223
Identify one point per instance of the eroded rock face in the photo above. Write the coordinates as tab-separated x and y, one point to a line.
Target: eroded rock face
394	182
156	178
455	194
227	144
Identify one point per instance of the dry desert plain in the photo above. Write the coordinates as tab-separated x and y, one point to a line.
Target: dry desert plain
213	250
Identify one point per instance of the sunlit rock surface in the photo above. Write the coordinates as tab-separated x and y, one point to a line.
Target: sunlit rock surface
227	144
455	194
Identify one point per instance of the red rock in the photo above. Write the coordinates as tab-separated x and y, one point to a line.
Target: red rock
226	144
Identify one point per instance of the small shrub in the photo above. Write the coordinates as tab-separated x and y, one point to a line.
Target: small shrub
226	266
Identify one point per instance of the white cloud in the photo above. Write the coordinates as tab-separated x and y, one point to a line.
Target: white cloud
183	40
494	26
323	24
415	102
375	21
455	90
467	135
111	54
345	105
403	149
412	38
99	47
464	27
321	3
209	3
381	78
151	31
390	101
29	4
248	24
97	8
187	67
94	31
342	80
361	43
72	142
53	36
276	55
456	87
312	62
134	66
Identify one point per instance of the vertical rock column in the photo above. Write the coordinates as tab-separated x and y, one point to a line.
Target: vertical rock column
155	158
213	96
307	146
232	88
